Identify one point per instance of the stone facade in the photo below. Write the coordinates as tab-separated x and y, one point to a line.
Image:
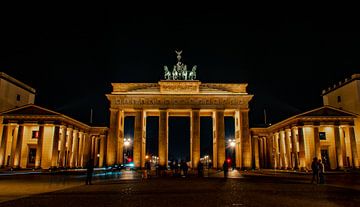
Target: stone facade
179	98
326	133
14	93
35	137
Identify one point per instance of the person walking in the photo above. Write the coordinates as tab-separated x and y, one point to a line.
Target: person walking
226	169
321	172
315	170
200	169
89	171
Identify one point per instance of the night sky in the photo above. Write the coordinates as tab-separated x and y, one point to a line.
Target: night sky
71	55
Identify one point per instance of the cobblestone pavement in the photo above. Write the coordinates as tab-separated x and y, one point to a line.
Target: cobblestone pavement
250	189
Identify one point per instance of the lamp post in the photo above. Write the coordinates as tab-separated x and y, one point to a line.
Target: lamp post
126	145
232	145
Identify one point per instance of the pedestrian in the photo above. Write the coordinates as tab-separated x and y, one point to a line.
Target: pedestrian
89	171
321	172
226	169
148	168
200	169
315	170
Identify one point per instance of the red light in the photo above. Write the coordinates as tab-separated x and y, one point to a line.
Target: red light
228	160
129	159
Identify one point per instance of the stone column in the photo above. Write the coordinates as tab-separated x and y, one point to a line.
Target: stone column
20	136
353	143
338	148
238	152
138	129
96	151
261	152
102	150
69	146
87	148
282	150
266	154
120	137
39	147
4	139
195	137
62	147
294	148
74	148
220	137
343	145
301	148
13	146
317	142
256	152
214	158
245	139
80	150
163	137
277	152
55	150
287	146
113	137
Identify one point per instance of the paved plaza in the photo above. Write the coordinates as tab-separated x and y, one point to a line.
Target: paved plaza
126	188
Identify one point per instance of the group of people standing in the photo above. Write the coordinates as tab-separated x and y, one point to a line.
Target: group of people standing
178	170
318	169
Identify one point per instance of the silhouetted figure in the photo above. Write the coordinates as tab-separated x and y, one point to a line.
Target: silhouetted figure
184	168
176	167
321	172
315	170
226	169
89	171
200	169
148	168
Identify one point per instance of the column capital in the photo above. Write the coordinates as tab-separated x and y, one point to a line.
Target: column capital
113	109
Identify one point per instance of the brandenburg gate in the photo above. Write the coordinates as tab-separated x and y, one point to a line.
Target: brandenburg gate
179	94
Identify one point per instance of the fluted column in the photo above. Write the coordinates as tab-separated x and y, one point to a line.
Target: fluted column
317	142
294	148
266	153
138	139
261	152
277	152
301	148
13	146
245	139
87	148
282	149
287	146
73	154
80	150
353	143
256	152
120	137
338	148
39	147
69	146
4	139
113	137
220	137
62	147
102	150
195	137
163	137
19	141
55	149
96	151
238	152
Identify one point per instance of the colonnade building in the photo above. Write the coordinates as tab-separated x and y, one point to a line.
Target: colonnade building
34	137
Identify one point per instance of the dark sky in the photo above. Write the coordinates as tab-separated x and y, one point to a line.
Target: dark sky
71	55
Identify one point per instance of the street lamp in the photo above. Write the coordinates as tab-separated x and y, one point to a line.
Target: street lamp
126	145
